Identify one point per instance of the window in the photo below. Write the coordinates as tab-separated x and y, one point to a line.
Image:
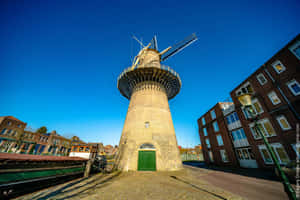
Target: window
203	121
14	134
246	114
274	98
294	87
220	140
207	143
279	153
278	66
238	134
9	123
211	158
216	127
3	131
224	155
257	107
8	131
295	49
19	125
81	149
296	148
245	88
147	124
232	118
245	154
205	131
264	126
213	114
284	124
261	79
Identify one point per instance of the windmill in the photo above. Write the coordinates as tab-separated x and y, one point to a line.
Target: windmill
148	140
166	53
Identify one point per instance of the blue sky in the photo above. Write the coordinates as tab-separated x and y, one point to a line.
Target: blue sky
60	59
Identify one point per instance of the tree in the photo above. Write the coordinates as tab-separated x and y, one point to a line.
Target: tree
42	129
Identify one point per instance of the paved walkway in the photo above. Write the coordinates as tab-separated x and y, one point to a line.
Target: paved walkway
249	187
182	185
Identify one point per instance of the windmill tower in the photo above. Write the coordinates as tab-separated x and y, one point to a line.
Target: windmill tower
148	140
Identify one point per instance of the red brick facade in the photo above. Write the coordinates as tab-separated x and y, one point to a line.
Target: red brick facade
275	89
212	136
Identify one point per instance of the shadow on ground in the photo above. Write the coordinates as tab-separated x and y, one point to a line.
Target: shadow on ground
88	183
255	173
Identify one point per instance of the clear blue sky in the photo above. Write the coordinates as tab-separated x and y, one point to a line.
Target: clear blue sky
60	59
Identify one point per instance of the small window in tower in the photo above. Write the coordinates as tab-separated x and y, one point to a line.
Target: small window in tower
147	124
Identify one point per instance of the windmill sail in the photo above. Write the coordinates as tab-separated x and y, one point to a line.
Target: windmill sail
179	46
154	43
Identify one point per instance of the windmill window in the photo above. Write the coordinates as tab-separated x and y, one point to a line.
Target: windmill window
147	124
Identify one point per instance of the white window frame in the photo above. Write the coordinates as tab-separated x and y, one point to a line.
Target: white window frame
256	101
205	133
295	147
215	124
261	122
282	127
259	80
273	94
220	136
291	89
213	114
210	156
276	63
223	152
294	46
274	145
207	142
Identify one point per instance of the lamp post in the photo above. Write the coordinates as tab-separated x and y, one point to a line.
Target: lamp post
245	100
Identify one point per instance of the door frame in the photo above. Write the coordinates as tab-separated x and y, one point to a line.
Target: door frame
154	150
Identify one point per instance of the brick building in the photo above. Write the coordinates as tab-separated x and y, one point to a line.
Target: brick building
217	145
15	138
275	93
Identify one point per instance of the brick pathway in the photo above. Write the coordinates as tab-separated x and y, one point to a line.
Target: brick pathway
182	185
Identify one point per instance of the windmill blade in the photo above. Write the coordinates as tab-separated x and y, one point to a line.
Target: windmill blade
138	41
179	46
154	43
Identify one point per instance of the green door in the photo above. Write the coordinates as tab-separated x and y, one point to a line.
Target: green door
147	161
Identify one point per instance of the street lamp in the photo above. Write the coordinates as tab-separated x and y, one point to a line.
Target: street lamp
245	100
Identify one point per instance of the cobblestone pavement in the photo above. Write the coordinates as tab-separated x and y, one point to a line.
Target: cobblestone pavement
180	185
250	188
